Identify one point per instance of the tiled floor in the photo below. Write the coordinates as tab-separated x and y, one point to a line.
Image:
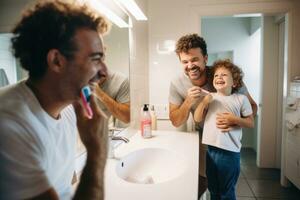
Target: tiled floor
261	184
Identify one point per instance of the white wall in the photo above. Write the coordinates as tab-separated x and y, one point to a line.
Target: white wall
164	24
255	24
224	33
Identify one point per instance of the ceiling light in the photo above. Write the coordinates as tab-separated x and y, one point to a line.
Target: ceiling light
248	15
134	9
112	16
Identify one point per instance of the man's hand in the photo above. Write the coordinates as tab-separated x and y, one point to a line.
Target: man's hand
225	121
194	93
92	131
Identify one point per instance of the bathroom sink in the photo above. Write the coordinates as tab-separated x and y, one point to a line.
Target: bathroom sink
150	166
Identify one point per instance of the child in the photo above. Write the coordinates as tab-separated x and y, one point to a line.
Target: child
223	155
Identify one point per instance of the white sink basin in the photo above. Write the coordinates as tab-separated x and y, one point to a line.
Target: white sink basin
150	166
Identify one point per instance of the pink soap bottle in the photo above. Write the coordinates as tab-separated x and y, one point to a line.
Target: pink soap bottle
146	122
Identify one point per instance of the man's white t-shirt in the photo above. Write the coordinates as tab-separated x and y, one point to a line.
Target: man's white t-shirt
37	152
237	104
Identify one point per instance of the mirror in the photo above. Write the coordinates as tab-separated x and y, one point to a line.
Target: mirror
116	42
117	61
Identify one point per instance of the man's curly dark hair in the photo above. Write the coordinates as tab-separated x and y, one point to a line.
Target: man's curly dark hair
237	73
190	41
51	25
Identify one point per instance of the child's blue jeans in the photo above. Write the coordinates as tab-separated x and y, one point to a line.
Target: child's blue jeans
222	171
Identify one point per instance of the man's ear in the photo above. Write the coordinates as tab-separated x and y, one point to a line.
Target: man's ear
55	60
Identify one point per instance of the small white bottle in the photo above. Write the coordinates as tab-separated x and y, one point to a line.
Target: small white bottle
146	122
153	118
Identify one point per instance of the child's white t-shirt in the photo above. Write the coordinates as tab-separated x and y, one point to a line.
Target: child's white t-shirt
37	152
237	104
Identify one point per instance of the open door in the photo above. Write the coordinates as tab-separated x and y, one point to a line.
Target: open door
270	106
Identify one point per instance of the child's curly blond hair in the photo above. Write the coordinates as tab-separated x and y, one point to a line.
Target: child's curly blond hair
237	73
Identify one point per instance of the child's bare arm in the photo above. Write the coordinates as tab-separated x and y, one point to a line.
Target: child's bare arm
199	114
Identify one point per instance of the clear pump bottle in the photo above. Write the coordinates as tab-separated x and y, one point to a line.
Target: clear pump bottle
153	118
146	122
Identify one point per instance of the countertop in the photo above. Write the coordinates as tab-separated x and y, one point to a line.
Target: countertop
184	187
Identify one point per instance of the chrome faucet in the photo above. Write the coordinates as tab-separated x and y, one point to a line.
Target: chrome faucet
111	152
124	139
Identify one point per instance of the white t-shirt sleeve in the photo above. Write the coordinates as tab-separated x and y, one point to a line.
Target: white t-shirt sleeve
174	96
246	108
22	174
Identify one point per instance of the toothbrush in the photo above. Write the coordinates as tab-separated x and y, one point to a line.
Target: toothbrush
205	91
85	95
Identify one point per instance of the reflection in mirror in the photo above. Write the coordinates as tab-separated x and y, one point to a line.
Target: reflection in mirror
117	58
116	85
8	73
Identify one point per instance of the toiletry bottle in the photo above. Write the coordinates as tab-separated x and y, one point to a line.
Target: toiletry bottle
146	122
153	118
